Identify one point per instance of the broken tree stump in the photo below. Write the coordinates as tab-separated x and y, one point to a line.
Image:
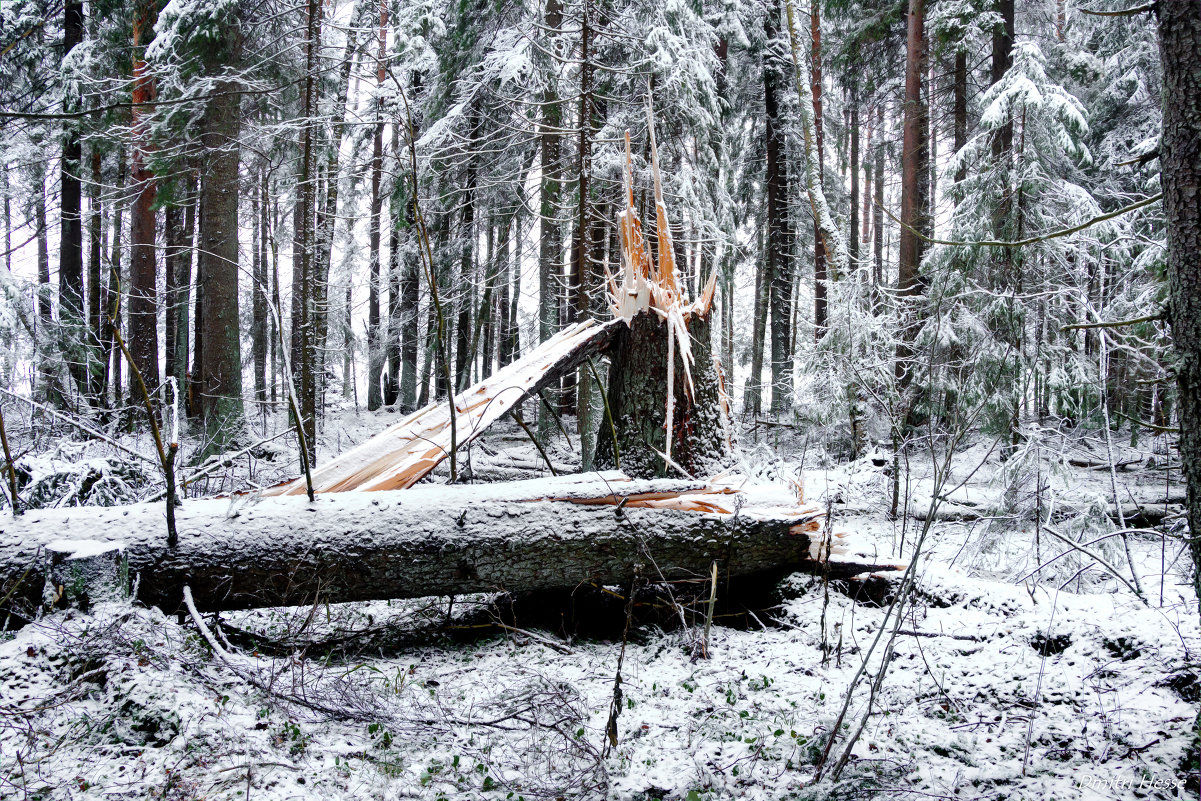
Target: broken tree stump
249	551
79	573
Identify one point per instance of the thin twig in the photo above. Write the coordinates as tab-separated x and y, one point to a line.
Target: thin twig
1146	318
1096	558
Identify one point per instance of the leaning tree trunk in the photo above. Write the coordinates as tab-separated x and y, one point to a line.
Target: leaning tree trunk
638	404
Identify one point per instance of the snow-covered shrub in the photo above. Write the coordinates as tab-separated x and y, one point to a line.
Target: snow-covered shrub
68	477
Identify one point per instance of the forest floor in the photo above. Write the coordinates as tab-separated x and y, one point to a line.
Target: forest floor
1005	680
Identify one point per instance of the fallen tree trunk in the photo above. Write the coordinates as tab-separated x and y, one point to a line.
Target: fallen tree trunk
248	551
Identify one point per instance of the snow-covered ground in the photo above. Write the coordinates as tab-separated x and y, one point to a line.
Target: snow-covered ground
1004	680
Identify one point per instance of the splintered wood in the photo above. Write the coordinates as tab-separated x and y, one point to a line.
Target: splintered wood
646	286
406	452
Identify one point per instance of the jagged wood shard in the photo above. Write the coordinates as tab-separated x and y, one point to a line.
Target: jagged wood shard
406	452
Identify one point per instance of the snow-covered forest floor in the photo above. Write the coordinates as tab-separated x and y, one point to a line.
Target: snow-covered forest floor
1005	680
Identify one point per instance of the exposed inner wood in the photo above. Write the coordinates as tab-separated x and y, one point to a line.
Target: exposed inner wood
406	452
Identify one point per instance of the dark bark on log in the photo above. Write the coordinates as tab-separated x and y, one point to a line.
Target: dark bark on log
433	540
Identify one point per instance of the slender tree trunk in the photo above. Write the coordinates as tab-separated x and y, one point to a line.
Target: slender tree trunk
753	400
866	230
348	387
95	254
73	331
258	295
914	183
853	234
486	319
779	263
112	306
580	286
185	264
467	267
550	246
932	134
959	90
820	268
304	334
514	334
392	346
8	219
276	336
375	358
327	219
173	253
1002	144
180	221
143	266
878	204
410	290
504	353
1002	60
47	378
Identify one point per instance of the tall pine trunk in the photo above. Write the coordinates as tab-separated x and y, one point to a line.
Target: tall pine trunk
220	368
95	310
550	245
779	262
143	265
820	268
70	250
1180	160
258	294
915	187
375	355
304	334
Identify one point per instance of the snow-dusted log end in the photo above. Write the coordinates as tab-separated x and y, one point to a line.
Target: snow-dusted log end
245	552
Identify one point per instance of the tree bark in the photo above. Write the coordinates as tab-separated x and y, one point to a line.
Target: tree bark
74	331
258	296
392	345
959	89
114	287
304	340
820	268
428	541
375	355
95	309
327	220
464	354
46	383
1180	159
779	264
853	232
410	287
638	403
914	183
753	394
550	245
220	367
143	266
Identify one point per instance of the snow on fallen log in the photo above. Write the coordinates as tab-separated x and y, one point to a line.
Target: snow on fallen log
407	451
250	551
